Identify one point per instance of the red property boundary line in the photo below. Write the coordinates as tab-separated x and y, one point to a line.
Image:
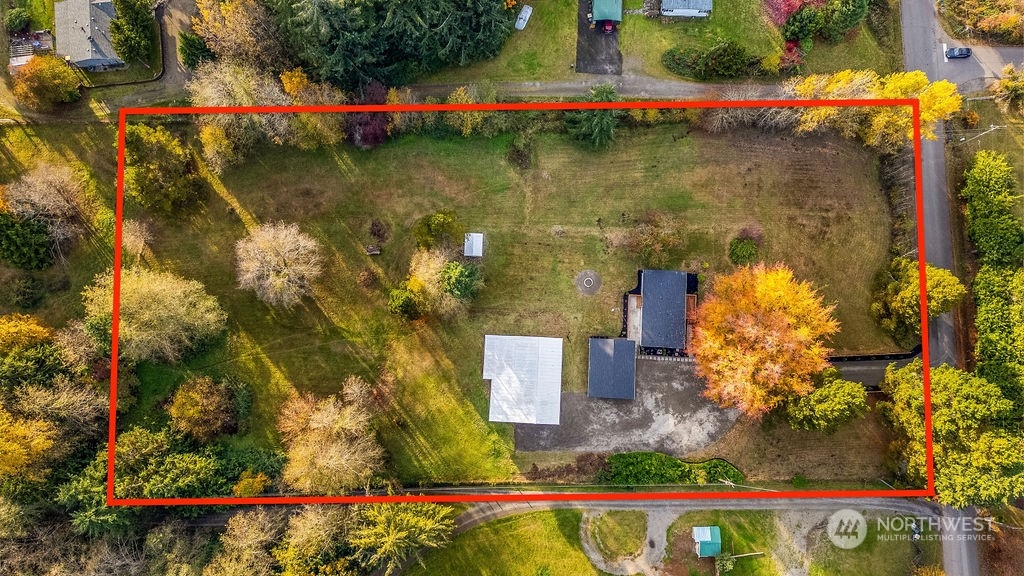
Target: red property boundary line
124	113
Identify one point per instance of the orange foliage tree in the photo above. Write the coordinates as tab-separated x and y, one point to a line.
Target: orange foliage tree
760	337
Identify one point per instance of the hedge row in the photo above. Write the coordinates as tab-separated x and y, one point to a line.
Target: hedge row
639	468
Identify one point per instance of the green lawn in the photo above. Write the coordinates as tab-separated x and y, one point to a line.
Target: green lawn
514	546
743	532
874	556
619	533
433	402
643	40
544	50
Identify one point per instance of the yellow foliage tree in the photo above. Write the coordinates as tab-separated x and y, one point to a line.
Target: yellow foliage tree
241	31
760	337
466	122
315	129
22	443
21	331
887	128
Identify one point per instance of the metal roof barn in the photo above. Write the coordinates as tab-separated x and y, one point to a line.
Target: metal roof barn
526	378
474	245
612	369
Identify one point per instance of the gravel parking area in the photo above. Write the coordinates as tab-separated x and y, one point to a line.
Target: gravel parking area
668	415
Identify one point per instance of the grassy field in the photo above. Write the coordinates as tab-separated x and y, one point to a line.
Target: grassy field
743	532
772	450
433	402
87	149
875	556
514	546
619	533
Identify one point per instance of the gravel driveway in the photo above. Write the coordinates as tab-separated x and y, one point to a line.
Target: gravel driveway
596	52
668	415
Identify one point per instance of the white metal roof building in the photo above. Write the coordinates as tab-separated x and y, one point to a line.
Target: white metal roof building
474	246
526	378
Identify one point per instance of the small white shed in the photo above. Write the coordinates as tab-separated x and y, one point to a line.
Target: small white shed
474	246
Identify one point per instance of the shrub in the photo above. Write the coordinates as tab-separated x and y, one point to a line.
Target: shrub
644	468
438	229
402	301
25	244
25	292
725	60
840	16
970	119
17	19
202	408
803	24
742	251
193	49
461	280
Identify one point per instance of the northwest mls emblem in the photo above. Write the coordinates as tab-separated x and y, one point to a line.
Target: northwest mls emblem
847	528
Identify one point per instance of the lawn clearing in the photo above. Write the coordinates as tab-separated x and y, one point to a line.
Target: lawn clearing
86	149
619	533
514	546
773	451
643	40
875	556
860	51
544	50
743	532
567	213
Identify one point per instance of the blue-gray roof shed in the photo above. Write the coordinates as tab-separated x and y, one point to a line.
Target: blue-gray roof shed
612	369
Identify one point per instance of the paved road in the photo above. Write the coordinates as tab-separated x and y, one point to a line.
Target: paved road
923	44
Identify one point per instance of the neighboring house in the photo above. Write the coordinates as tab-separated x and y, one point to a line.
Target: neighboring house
661	310
82	28
686	8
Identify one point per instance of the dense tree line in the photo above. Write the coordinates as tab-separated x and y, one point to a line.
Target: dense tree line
353	43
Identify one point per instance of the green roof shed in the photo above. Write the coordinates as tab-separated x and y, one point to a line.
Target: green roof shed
608	10
708	541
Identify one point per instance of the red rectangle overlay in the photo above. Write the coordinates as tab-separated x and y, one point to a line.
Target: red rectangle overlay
520	493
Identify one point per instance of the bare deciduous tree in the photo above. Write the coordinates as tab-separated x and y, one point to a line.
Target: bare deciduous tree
80	409
314	534
278	262
334	449
245	545
51	194
135	235
163	316
114	556
76	347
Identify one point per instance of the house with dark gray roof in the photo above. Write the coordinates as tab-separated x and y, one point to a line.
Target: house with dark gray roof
612	368
661	309
82	29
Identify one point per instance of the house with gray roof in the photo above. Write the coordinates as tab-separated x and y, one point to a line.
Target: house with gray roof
82	28
661	310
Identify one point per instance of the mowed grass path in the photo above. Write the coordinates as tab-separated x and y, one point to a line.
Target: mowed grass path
541	228
518	545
